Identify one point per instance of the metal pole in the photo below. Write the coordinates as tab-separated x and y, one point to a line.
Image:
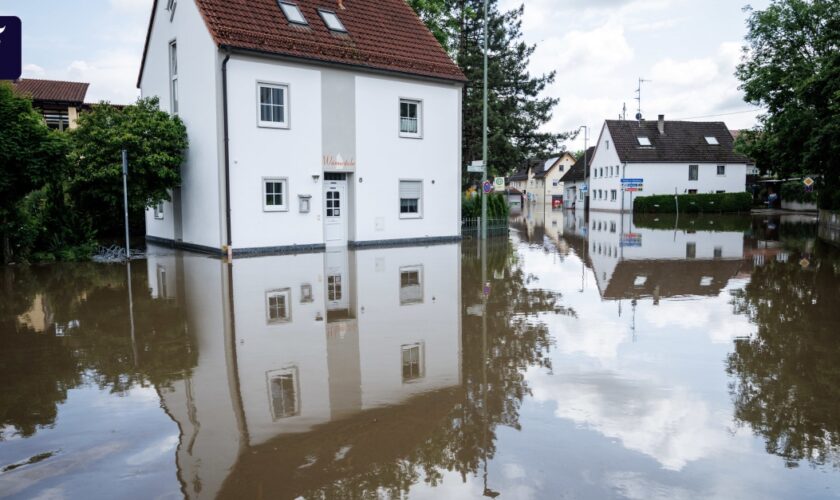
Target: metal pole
125	201
484	136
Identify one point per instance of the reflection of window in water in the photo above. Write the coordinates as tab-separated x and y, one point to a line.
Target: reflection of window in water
278	305
334	287
306	293
640	281
718	252
411	285
706	281
690	250
412	362
283	390
612	226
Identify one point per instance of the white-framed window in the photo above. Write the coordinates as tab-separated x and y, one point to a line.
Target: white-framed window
335	290
332	21
173	76
613	195
721	170
272	105
292	13
170	6
278	306
411	199
411	118
693	172
159	211
275	194
413	361
283	392
644	141
712	141
411	285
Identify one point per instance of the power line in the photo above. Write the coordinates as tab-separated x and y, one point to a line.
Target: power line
722	114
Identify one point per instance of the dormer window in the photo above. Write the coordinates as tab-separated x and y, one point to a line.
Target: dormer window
712	141
332	21
292	13
643	141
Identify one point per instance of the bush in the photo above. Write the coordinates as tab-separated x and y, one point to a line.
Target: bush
497	207
694	203
795	191
726	223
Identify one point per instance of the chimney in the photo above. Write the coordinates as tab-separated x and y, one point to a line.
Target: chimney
661	125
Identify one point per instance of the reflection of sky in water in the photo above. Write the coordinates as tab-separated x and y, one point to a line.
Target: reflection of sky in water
126	449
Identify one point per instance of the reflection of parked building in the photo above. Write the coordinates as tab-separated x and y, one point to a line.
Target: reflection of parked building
631	262
291	344
668	157
59	102
309	125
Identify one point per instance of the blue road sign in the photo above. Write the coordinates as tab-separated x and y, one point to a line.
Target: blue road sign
487	187
10	48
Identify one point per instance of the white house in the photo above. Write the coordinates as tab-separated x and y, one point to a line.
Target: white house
669	156
574	181
540	180
311	124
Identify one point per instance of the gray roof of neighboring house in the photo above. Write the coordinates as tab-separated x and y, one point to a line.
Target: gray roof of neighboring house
682	142
577	172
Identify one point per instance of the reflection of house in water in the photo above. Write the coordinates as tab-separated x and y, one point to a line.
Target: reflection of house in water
291	345
543	225
630	262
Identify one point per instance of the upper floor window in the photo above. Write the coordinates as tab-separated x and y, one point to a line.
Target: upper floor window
283	388
273	105
159	210
292	13
411	285
693	172
278	306
332	21
411	116
412	362
173	75
170	6
275	193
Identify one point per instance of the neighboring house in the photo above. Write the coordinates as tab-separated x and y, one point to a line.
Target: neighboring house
669	156
519	180
59	102
575	180
311	124
549	187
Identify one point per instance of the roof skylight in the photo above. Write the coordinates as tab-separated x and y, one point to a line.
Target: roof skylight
644	141
711	140
332	21
292	13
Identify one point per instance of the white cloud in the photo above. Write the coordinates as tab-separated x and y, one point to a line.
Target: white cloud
112	75
33	71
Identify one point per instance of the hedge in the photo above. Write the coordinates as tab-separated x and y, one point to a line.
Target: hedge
497	207
795	191
694	203
705	222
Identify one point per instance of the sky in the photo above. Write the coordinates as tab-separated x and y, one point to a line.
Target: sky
599	49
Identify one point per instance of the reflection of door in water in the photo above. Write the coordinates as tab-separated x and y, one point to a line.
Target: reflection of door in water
335	212
338	285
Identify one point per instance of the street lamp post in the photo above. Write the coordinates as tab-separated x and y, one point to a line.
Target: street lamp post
484	137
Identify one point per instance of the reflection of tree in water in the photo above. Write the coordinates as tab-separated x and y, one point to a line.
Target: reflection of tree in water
787	386
37	368
458	438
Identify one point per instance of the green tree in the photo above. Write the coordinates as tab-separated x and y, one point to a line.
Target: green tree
155	142
517	109
30	154
791	67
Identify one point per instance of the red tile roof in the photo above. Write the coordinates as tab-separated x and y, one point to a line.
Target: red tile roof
52	90
381	34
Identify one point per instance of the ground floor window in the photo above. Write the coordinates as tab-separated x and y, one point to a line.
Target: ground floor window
411	199
275	192
159	210
278	306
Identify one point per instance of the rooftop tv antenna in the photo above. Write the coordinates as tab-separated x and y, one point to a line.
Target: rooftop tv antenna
639	116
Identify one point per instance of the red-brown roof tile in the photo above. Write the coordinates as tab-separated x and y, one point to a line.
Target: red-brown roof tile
52	90
381	34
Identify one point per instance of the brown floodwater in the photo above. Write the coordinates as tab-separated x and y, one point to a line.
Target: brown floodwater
607	357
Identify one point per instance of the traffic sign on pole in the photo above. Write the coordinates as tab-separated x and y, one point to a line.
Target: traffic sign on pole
487	187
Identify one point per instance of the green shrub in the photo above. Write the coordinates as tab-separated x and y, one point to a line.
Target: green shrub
795	191
716	222
497	207
694	203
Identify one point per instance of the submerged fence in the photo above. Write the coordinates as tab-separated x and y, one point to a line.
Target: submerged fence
495	227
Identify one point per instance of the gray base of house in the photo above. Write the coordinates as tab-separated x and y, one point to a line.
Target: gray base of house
296	249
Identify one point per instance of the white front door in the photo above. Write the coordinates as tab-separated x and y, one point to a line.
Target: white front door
335	213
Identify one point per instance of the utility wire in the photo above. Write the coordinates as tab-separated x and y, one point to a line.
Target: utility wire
722	114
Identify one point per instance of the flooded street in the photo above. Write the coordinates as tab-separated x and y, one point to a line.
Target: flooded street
610	358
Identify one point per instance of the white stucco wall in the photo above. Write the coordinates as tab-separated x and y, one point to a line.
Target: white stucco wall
197	84
383	158
659	178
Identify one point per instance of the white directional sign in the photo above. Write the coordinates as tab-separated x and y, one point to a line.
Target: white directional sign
476	167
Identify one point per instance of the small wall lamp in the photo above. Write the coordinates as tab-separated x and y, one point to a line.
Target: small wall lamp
315	177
